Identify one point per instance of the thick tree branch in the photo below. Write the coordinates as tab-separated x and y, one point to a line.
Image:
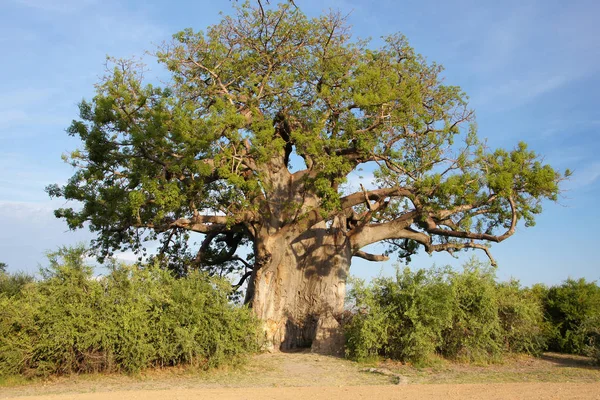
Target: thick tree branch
357	198
200	223
232	239
432	228
451	247
367	202
400	229
396	229
443	214
371	257
314	216
247	265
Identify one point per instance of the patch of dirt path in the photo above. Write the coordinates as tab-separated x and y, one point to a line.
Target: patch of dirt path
312	377
525	391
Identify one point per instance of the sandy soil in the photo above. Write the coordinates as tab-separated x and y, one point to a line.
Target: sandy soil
445	391
311	377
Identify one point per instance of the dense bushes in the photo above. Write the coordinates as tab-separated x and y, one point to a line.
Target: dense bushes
466	316
138	317
402	318
131	319
573	311
11	284
522	324
469	316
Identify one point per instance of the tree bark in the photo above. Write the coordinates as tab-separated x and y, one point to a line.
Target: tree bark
299	289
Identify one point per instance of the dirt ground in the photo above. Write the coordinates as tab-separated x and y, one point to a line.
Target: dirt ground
311	377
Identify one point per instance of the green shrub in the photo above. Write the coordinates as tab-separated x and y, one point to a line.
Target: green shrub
591	327
134	318
419	307
403	318
11	284
465	316
521	316
367	331
569	308
475	333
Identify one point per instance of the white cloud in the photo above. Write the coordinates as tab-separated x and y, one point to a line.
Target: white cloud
127	257
517	92
498	41
24	97
33	231
24	210
584	177
518	53
23	177
28	107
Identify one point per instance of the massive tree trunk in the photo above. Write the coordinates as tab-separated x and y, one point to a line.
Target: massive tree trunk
298	291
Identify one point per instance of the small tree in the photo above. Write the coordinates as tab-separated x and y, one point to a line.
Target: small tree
212	153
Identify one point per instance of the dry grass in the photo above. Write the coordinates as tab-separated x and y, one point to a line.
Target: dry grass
551	367
305	369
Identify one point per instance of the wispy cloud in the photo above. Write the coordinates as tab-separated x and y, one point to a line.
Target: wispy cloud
25	96
25	209
520	53
585	177
33	231
23	178
517	92
499	38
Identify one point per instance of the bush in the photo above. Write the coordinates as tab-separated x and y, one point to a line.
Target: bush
367	331
420	309
521	316
591	327
11	284
134	318
465	316
570	310
475	333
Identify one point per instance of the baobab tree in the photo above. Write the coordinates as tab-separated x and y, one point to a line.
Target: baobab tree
210	152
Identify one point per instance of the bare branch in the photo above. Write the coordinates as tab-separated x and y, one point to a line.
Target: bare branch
371	257
247	265
450	247
357	198
432	227
242	280
366	197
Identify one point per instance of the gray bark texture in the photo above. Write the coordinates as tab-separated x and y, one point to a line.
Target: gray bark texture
299	290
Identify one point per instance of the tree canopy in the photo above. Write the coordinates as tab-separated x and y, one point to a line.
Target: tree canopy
210	150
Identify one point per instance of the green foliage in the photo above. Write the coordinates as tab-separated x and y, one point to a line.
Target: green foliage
591	327
420	309
134	318
245	94
572	309
11	284
466	316
367	331
475	334
521	315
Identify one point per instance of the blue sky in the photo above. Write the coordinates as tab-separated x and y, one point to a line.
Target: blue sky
531	69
